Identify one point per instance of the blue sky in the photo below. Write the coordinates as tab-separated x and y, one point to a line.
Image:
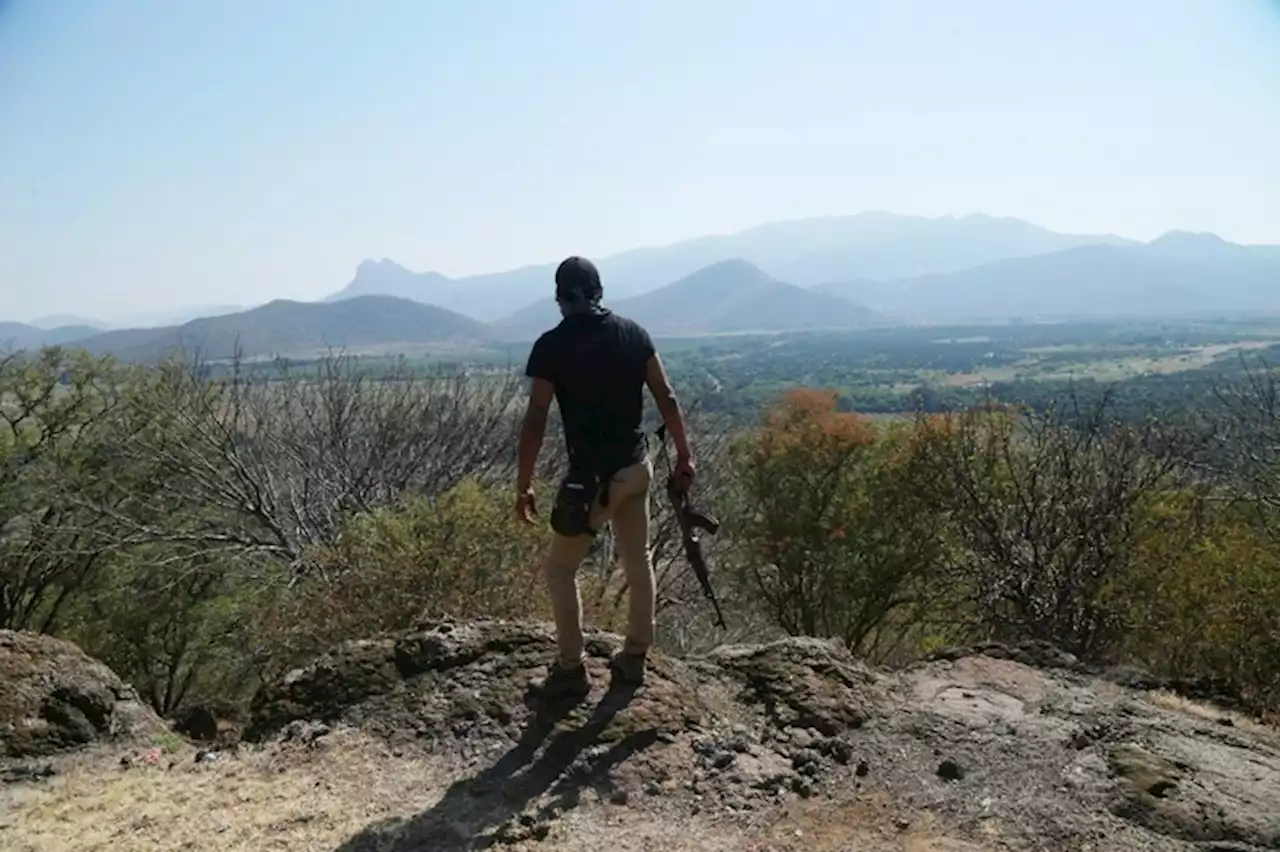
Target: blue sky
160	154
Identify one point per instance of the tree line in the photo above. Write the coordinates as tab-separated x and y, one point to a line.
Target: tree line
204	528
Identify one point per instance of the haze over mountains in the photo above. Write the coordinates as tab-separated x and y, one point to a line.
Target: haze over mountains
802	252
303	329
833	272
1177	274
725	297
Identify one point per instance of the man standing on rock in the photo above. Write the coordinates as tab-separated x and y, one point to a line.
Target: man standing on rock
596	364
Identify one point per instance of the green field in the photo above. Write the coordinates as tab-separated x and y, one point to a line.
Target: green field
1154	365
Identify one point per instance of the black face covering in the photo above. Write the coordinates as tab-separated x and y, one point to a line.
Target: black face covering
578	306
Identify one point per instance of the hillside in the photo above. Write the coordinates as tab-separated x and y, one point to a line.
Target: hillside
736	296
437	738
863	291
52	321
726	297
17	335
302	329
804	252
1175	275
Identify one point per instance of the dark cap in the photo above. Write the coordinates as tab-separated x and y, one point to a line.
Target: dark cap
577	279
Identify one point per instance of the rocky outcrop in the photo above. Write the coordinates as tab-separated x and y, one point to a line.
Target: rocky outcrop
1016	742
53	698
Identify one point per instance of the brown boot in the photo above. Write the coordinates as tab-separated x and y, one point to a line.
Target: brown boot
566	682
629	666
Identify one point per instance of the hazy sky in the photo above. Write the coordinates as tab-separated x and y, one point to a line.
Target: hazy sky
160	153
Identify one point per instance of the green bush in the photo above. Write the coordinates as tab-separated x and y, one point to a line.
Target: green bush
182	631
1204	603
461	554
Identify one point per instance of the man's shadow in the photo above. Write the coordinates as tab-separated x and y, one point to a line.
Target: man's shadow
472	807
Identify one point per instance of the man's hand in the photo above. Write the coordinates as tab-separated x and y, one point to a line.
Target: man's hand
684	473
526	506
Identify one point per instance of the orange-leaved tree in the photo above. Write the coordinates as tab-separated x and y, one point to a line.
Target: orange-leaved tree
837	525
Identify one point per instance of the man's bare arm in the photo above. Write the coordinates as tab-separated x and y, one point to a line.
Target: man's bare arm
532	431
668	406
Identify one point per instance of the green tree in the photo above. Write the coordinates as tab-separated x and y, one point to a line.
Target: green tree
57	411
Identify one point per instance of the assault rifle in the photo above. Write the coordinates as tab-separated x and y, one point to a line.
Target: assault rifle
691	521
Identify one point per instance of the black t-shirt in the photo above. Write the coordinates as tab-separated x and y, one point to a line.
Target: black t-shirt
597	363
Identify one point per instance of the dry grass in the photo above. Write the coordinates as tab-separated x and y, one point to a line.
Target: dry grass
1209	713
316	801
870	824
271	800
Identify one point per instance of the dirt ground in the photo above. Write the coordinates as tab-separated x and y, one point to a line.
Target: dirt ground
317	801
436	740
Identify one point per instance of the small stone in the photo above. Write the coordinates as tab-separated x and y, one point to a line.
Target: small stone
619	797
862	769
949	770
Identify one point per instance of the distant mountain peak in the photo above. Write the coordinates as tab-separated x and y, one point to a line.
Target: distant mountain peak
735	270
370	268
371	265
386	277
735	265
1190	239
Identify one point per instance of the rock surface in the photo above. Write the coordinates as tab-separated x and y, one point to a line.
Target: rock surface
54	698
1012	748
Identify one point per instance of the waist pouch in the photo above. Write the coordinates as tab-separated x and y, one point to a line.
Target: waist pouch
571	514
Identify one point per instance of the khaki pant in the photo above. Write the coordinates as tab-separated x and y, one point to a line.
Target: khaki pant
628	509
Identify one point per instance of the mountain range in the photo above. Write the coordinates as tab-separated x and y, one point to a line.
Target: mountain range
18	335
1178	274
303	329
803	252
731	296
836	272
